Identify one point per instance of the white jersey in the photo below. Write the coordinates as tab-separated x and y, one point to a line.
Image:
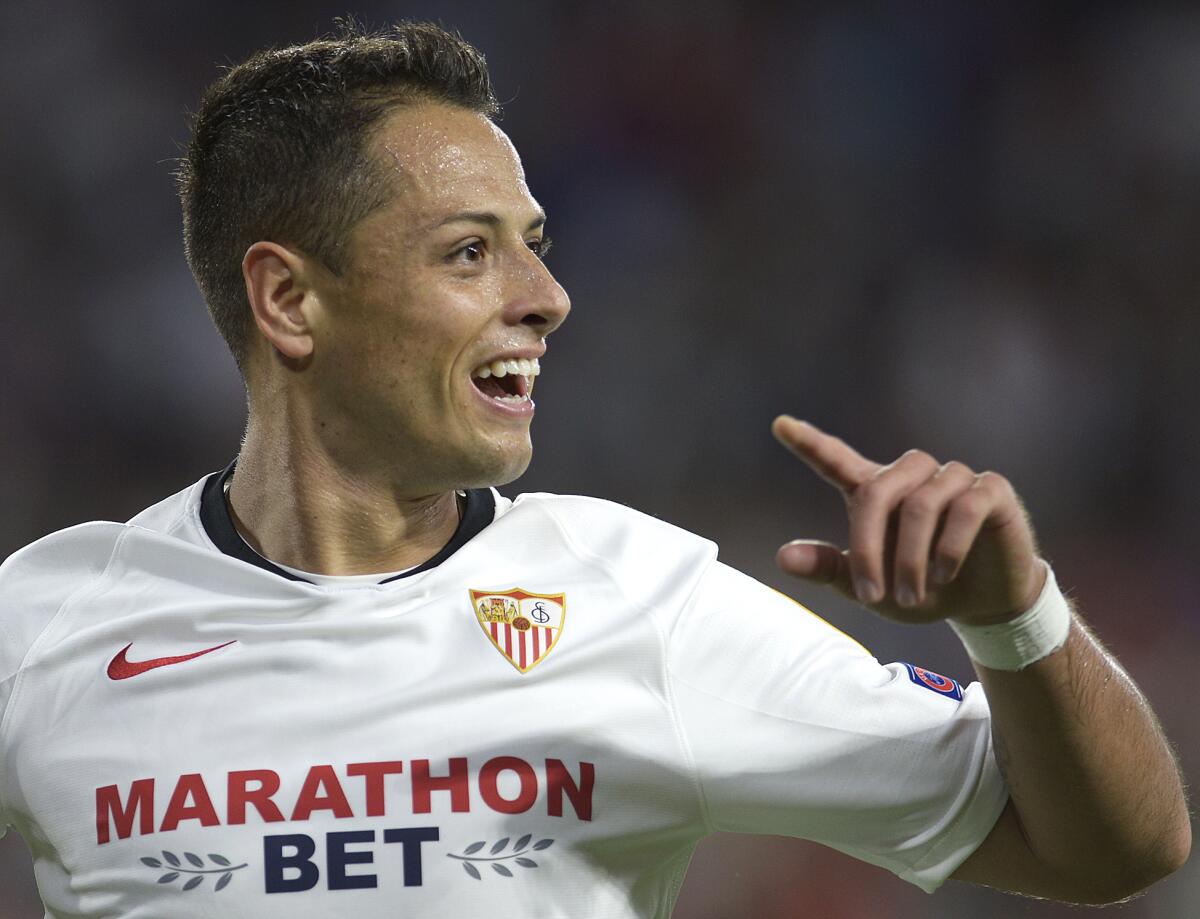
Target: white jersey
541	721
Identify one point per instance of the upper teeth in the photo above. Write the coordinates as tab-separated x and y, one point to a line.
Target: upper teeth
529	368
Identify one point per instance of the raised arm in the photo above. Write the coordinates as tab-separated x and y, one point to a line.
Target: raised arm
1097	811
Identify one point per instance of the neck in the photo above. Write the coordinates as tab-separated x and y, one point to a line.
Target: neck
300	503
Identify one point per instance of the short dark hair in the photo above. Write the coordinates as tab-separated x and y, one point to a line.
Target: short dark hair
279	149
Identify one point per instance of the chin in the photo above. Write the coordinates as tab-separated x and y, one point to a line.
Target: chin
505	463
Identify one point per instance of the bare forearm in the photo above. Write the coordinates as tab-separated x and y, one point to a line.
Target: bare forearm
1097	811
1092	778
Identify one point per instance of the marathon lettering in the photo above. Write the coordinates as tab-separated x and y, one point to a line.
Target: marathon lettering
504	784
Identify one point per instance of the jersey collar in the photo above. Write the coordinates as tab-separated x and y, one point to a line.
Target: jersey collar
480	510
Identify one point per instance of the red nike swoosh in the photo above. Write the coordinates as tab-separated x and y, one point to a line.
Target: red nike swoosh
120	668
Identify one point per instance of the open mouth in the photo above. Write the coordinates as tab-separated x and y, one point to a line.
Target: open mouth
509	382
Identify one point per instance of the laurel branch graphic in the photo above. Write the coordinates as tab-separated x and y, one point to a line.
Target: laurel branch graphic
225	868
469	858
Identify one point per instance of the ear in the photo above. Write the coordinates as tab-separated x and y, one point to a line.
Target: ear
281	297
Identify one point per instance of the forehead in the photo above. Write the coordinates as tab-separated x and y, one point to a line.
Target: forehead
444	160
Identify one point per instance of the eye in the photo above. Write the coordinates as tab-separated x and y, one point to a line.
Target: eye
540	247
472	252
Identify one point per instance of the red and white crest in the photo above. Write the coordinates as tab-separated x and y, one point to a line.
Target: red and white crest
523	626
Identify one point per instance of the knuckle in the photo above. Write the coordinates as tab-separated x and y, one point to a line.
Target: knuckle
918	506
872	491
994	482
917	458
970	503
956	470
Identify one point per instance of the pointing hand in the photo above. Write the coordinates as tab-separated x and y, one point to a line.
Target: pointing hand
927	541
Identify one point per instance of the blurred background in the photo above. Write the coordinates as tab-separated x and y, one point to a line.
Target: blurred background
965	227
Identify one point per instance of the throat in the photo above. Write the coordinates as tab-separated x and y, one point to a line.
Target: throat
317	532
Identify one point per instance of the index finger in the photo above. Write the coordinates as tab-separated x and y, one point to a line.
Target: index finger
830	457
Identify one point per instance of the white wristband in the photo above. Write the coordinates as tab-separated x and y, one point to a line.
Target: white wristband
1014	645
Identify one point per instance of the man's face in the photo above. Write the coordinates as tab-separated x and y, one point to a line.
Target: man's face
442	282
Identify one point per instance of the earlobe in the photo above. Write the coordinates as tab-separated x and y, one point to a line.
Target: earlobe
280	298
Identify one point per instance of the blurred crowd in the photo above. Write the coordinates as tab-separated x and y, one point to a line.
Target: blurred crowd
964	227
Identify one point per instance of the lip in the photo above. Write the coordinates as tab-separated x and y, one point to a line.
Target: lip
524	410
528	354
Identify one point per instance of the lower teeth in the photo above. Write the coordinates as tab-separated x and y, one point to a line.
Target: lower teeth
511	400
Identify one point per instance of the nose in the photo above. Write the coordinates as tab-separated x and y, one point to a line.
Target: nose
537	299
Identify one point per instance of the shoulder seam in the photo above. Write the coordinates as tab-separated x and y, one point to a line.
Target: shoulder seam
664	639
7	716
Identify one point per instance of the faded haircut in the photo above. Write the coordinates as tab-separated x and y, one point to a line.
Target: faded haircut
279	149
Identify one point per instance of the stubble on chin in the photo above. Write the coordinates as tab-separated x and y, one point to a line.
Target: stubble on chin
495	464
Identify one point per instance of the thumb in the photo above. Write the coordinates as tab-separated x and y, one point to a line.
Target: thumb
820	562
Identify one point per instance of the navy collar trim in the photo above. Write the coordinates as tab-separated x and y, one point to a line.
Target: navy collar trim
480	510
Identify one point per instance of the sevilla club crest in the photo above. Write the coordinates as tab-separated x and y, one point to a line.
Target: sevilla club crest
523	626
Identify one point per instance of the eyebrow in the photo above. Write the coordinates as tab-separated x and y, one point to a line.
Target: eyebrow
489	218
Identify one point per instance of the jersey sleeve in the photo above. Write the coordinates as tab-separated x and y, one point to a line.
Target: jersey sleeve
797	730
35	583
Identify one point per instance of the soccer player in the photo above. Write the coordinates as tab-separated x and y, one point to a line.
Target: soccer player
345	677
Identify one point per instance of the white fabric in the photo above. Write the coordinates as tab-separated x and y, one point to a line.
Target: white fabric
341	580
697	698
1036	633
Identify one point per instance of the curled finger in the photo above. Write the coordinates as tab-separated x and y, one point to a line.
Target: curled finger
870	507
919	516
965	517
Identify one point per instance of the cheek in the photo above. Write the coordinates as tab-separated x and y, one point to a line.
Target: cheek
420	340
426	361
